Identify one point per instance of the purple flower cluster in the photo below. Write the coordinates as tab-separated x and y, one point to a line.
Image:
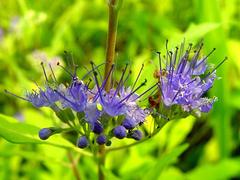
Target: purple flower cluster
183	80
98	112
112	113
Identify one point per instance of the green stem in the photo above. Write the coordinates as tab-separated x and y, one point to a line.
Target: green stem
73	165
101	162
113	6
113	9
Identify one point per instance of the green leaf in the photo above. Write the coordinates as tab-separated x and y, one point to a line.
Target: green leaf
196	31
22	133
164	161
225	169
17	132
152	169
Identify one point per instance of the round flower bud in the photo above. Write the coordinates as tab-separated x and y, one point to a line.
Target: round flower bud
82	142
120	132
45	133
137	135
129	124
97	128
101	139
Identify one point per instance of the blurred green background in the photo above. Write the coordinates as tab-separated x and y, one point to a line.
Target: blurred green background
35	31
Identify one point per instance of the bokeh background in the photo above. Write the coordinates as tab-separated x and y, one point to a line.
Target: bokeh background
190	148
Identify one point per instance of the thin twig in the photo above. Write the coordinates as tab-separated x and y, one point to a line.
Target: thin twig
73	165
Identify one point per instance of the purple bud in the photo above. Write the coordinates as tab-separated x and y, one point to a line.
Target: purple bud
137	135
45	133
82	142
129	123
97	128
101	139
120	132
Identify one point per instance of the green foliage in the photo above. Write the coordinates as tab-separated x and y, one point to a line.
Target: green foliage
35	31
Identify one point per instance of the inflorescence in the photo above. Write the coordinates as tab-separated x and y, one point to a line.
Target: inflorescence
98	115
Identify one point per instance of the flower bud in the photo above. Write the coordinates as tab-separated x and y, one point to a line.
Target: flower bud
101	139
45	133
137	135
129	124
82	142
97	128
120	132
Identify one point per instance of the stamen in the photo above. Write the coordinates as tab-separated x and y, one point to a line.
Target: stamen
128	96
137	77
166	52
170	56
153	92
96	81
183	62
8	92
101	78
146	91
205	57
160	64
129	73
160	60
90	71
120	81
62	96
75	78
175	58
44	72
181	49
216	67
89	82
108	75
54	77
68	72
194	59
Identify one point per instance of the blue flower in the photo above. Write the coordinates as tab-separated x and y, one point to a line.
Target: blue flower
74	97
120	101
184	81
43	98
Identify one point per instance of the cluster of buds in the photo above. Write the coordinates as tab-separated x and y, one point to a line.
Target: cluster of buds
98	114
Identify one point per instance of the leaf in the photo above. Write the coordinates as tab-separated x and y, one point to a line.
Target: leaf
22	133
16	132
164	161
225	169
109	174
153	169
200	30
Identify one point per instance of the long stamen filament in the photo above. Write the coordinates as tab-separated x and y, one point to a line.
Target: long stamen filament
8	92
44	71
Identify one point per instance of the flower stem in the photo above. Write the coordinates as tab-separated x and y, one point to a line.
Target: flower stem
73	165
113	9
